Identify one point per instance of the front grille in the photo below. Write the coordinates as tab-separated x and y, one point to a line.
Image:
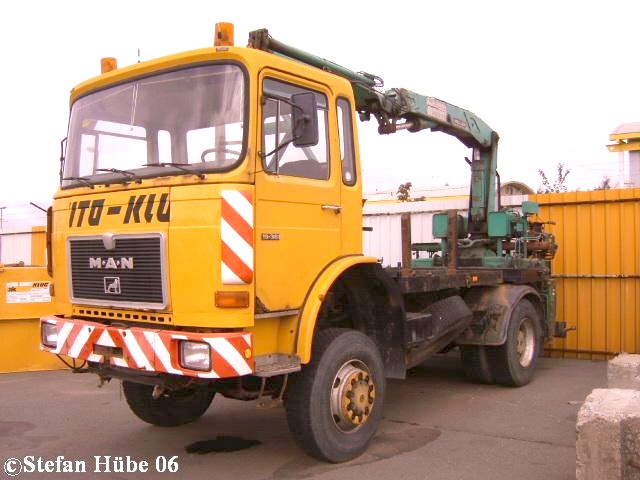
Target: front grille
130	274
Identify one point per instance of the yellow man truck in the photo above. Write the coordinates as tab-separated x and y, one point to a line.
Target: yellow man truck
207	238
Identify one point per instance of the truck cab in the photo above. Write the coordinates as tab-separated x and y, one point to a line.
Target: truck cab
185	201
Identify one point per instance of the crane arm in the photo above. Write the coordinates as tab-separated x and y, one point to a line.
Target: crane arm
400	109
417	111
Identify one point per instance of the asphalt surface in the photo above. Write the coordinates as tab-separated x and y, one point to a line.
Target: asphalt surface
436	426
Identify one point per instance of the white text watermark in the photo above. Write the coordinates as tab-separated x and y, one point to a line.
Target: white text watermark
99	464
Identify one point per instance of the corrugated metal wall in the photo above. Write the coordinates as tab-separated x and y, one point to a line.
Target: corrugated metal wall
384	241
597	269
15	248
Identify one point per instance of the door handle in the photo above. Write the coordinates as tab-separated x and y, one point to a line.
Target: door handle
336	208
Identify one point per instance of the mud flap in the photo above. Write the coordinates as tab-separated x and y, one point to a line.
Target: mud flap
437	320
434	328
492	308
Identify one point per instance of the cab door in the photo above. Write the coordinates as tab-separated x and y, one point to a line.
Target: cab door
298	211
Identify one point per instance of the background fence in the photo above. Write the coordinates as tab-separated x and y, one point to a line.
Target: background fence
27	248
24	298
597	269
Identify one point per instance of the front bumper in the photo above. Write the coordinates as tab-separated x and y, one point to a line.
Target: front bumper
148	349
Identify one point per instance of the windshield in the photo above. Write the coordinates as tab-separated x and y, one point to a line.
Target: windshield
192	118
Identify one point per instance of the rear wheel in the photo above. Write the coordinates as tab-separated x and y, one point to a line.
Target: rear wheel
514	363
334	406
171	408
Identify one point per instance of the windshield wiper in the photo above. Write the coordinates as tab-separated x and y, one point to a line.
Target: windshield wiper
179	166
82	180
126	173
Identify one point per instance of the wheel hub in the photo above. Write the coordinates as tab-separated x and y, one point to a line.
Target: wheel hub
352	396
525	343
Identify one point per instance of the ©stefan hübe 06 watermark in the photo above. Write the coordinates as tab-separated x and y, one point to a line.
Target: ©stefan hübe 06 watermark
99	464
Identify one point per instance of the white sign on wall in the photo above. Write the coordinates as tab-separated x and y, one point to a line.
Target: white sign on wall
28	292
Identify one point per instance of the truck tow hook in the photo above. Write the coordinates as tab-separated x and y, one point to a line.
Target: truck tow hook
158	392
562	330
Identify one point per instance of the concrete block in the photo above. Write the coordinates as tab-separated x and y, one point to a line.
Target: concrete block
608	444
624	371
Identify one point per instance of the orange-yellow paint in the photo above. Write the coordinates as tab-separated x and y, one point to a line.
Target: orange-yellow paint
597	269
38	246
20	324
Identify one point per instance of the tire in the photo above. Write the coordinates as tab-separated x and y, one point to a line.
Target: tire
476	364
514	363
345	364
177	407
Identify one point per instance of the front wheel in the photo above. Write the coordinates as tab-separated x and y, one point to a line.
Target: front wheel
170	409
334	406
514	363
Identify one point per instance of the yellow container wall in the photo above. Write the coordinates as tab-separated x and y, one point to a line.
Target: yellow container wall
38	246
597	270
20	322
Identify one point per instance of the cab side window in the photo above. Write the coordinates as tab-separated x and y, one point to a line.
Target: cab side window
279	154
347	149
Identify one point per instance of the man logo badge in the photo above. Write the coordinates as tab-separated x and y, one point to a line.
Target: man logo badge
112	285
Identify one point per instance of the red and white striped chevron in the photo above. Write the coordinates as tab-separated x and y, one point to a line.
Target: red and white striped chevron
152	350
236	231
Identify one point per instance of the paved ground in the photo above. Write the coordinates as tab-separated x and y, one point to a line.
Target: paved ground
436	426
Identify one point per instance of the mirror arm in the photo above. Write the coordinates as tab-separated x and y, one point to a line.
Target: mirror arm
62	156
282	99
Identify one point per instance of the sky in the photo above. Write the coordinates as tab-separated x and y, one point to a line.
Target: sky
553	78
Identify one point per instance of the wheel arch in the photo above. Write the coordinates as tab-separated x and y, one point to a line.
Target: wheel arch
376	305
492	307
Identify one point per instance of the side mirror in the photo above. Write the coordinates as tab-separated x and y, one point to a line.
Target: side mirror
305	119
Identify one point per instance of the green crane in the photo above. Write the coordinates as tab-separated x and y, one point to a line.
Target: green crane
401	109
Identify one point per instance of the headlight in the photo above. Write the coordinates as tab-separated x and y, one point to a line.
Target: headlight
195	355
49	332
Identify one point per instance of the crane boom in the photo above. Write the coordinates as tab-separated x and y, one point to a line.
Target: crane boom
401	109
